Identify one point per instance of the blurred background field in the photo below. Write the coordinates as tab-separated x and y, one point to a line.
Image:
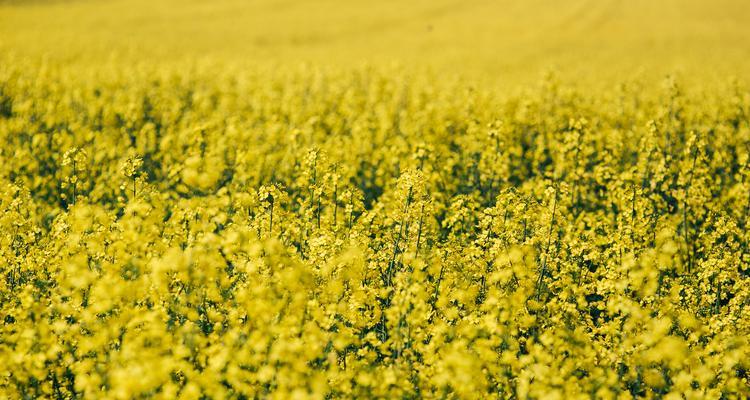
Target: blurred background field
502	41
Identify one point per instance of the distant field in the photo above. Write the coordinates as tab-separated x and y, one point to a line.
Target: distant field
504	40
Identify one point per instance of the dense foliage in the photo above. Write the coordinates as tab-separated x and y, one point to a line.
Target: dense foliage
204	232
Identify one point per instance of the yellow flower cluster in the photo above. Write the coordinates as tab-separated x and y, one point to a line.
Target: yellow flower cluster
199	232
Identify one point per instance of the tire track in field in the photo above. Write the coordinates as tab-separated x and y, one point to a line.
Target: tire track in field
588	16
562	36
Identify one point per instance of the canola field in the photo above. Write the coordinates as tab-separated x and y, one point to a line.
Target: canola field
396	200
